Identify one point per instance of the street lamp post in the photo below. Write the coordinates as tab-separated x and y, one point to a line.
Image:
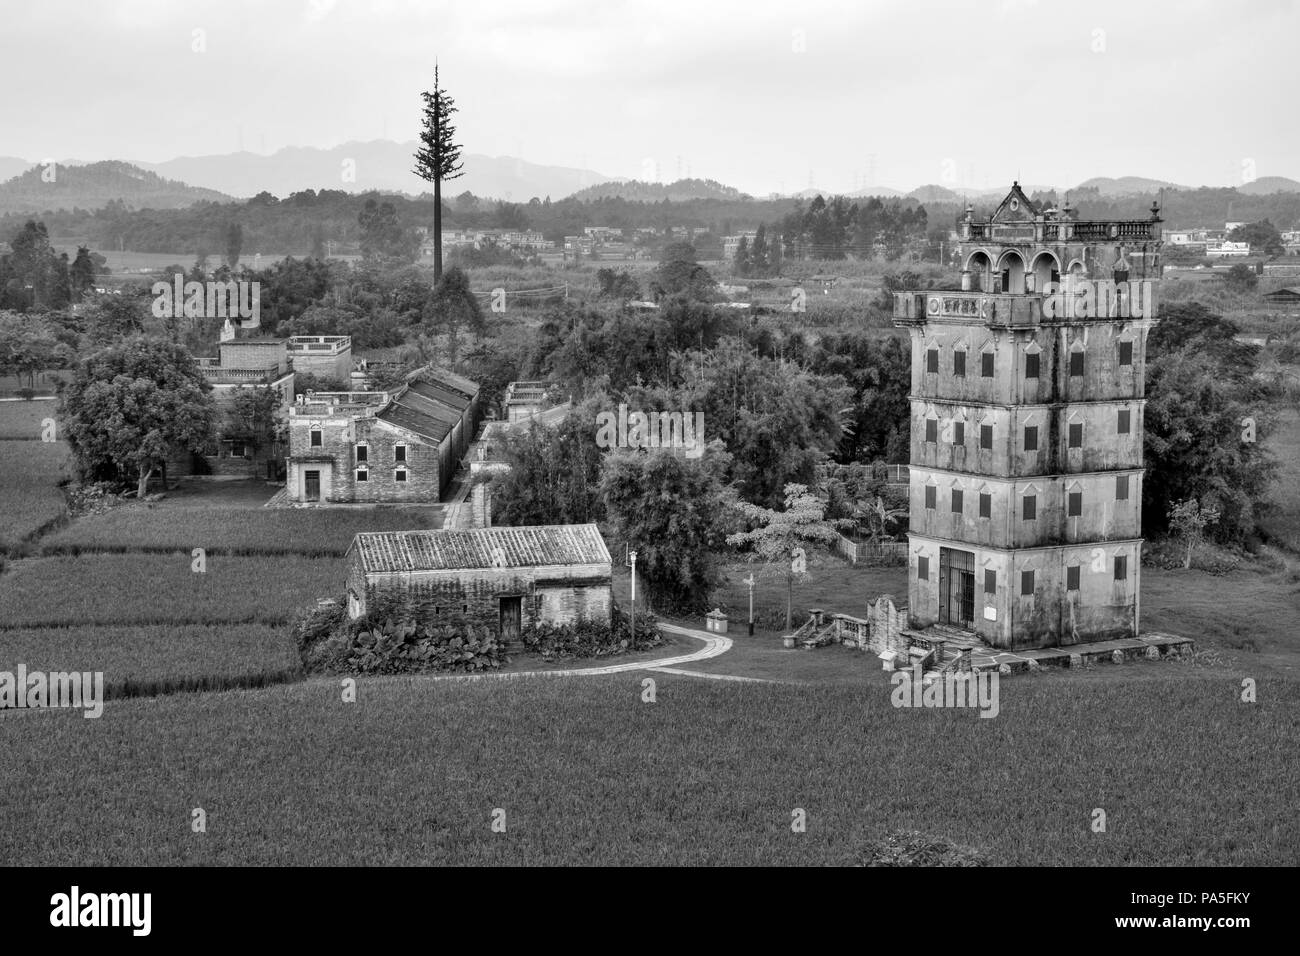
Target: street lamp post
631	558
750	581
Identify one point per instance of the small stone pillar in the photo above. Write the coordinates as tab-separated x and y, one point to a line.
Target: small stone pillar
965	280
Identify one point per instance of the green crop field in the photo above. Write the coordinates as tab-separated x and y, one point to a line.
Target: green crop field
23	421
29	494
156	658
167	526
586	773
162	589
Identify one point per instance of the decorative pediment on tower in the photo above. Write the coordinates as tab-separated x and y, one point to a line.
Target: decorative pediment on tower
1016	207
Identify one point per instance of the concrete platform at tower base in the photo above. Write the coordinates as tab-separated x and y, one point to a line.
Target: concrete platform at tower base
1152	645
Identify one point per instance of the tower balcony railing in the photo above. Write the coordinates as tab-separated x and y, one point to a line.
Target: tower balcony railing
1067	230
998	309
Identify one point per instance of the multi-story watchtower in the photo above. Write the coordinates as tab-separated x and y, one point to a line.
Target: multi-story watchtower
1027	411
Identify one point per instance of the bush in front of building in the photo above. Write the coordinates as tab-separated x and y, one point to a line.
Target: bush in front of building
328	642
589	638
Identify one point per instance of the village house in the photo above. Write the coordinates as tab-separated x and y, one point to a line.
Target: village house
501	579
524	400
402	446
241	366
1026	454
324	356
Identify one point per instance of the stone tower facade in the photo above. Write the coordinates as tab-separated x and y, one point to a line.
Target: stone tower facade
1026	433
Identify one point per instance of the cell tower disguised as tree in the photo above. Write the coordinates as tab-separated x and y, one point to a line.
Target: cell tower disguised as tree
438	158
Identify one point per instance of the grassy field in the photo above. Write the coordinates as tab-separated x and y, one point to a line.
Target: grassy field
162	589
169	526
586	773
1284	523
22	421
156	658
29	494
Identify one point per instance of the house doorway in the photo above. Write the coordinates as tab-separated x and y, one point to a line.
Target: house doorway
512	612
311	485
957	588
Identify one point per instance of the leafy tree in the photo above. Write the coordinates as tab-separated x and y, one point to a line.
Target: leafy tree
234	244
127	406
621	285
1188	520
33	273
759	256
369	330
1262	236
511	215
31	344
777	420
1202	392
255	417
680	274
382	235
1241	278
453	309
777	537
742	265
880	374
670	509
112	317
438	158
554	474
82	273
59	293
879	516
304	382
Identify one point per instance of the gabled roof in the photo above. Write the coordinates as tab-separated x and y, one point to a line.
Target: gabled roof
436	392
480	548
429	427
1026	209
439	411
445	378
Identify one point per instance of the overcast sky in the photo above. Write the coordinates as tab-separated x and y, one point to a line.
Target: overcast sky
760	95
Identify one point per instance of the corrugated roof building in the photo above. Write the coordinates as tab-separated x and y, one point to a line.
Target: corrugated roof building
501	579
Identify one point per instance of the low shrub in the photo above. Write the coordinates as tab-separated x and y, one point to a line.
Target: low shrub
588	638
328	642
910	848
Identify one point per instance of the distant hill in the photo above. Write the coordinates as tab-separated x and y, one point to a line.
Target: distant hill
11	166
1126	185
683	190
381	165
934	193
1270	184
94	185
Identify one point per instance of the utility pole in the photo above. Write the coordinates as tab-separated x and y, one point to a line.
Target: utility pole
631	557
